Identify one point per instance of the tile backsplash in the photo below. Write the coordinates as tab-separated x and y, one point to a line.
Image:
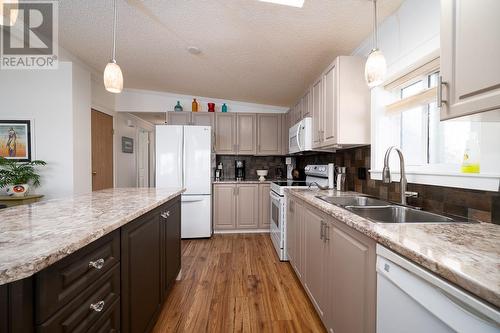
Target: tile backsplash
480	205
252	164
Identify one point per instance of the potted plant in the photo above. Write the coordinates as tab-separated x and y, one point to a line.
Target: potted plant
17	177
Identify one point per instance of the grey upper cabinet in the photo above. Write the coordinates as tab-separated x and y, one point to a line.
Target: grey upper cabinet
269	137
317	112
179	118
247	206
351	277
470	53
264	206
225	133
246	134
203	119
284	133
224	206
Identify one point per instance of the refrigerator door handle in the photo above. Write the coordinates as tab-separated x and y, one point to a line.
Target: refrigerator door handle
187	199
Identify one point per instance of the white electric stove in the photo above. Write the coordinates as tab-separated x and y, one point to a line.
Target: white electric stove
314	174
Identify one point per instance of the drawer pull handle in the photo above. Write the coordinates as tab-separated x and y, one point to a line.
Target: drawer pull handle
166	214
98	264
97	307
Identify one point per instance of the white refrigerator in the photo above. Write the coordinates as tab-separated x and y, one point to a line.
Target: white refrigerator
184	159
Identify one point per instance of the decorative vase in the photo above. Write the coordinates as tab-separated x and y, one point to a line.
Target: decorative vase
224	107
211	107
19	190
178	107
194	105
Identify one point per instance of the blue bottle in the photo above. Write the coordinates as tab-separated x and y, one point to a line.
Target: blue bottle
224	107
178	107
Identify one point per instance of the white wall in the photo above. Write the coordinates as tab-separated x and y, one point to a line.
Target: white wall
134	100
46	98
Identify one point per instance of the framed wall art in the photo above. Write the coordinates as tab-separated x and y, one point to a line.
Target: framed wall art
15	140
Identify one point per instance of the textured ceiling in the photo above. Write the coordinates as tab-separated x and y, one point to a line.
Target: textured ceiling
251	51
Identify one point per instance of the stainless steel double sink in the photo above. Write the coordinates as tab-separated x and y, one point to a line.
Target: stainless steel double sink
381	211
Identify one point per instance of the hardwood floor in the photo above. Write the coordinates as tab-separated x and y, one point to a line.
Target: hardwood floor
235	283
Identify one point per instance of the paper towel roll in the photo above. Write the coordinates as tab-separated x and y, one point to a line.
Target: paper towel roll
331	169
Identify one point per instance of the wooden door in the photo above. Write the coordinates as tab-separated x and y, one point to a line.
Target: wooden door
247	206
352	283
224	206
264	206
330	107
317	112
269	134
247	134
203	119
470	53
140	266
225	133
179	118
102	150
315	259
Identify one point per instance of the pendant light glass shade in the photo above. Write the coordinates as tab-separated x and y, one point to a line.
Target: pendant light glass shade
113	78
375	68
9	17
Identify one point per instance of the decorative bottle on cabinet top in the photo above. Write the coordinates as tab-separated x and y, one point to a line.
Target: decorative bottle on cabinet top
178	107
224	107
194	105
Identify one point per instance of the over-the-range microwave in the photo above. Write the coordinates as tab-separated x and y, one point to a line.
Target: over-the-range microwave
300	136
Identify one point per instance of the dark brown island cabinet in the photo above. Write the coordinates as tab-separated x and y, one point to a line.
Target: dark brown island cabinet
117	283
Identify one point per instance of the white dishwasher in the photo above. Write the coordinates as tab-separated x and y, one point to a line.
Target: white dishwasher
410	299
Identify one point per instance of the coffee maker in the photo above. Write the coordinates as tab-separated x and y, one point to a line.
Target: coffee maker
239	169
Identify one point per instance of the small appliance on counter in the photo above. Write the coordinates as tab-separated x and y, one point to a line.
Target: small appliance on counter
341	179
219	174
290	166
239	169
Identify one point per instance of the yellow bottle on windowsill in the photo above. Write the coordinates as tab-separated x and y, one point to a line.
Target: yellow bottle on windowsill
470	163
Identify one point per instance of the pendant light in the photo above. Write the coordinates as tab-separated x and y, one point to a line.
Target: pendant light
375	67
9	18
113	77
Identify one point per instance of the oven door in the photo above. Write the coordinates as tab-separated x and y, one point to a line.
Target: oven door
276	212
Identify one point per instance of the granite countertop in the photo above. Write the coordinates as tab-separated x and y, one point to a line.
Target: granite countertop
467	255
246	181
35	236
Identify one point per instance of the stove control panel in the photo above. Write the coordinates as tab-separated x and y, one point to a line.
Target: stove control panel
320	170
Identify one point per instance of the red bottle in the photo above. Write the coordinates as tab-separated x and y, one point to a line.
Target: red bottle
211	107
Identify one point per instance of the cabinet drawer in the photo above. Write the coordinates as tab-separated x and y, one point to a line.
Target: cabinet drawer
78	315
109	322
60	283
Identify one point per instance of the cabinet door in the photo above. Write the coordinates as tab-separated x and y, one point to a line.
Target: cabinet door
203	118
179	118
315	260
291	231
224	206
225	133
171	247
284	134
470	53
352	280
141	264
306	105
247	206
247	134
330	107
264	206
317	112
269	134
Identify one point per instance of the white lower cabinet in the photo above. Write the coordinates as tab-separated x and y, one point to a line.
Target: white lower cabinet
336	265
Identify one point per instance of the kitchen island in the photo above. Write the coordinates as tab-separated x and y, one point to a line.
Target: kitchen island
81	262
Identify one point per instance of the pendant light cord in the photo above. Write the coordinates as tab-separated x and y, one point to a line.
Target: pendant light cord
375	32
114	31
